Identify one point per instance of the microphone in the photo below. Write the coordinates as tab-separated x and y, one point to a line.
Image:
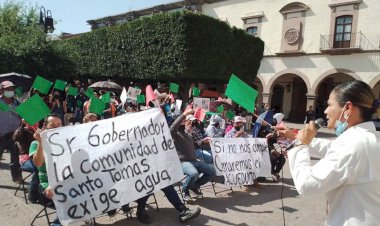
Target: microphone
318	124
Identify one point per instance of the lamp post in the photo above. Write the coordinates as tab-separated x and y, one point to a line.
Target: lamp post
46	20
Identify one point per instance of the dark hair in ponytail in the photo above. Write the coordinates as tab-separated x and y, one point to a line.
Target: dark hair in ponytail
360	94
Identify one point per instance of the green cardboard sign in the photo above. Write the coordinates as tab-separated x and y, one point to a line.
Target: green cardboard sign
241	93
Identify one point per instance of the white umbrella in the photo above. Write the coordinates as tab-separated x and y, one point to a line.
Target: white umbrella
14	74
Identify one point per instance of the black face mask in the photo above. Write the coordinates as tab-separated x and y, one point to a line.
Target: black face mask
56	96
181	128
216	124
237	128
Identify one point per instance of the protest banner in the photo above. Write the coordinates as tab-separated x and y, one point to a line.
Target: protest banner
102	165
203	103
240	160
132	93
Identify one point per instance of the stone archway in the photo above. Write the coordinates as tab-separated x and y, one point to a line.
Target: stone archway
375	85
324	88
258	85
277	98
328	73
291	89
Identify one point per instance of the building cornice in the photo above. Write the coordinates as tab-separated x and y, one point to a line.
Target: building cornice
318	54
335	3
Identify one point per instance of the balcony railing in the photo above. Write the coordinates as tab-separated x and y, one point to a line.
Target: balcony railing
349	42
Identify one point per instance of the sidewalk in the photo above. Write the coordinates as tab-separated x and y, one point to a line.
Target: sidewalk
259	207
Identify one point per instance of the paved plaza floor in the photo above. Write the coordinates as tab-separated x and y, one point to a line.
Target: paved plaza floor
240	207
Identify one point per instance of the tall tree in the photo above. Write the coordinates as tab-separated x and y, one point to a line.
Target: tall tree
23	44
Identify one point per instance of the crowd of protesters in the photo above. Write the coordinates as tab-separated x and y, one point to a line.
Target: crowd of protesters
191	138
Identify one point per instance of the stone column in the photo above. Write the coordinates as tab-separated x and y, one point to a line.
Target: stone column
266	98
310	100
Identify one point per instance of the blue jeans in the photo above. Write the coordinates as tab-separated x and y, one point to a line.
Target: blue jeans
172	197
204	155
29	166
56	222
192	169
6	142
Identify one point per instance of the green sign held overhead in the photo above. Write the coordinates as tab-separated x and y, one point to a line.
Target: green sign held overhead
42	85
73	91
60	85
230	114
97	106
89	93
106	98
141	99
241	93
18	91
220	108
196	92
4	106
174	87
33	110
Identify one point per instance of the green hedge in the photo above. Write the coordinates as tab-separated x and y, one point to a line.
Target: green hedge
167	46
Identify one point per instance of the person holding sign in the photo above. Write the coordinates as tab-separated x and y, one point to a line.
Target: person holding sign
191	166
185	214
9	121
349	169
51	121
201	141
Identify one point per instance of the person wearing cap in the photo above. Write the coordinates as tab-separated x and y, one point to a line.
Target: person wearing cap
10	122
238	129
191	166
200	139
213	130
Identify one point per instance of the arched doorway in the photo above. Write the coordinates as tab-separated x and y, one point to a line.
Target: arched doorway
258	85
277	98
298	104
289	96
376	90
324	89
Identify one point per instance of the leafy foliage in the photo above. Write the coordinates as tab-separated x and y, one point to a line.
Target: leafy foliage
23	44
164	47
175	46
